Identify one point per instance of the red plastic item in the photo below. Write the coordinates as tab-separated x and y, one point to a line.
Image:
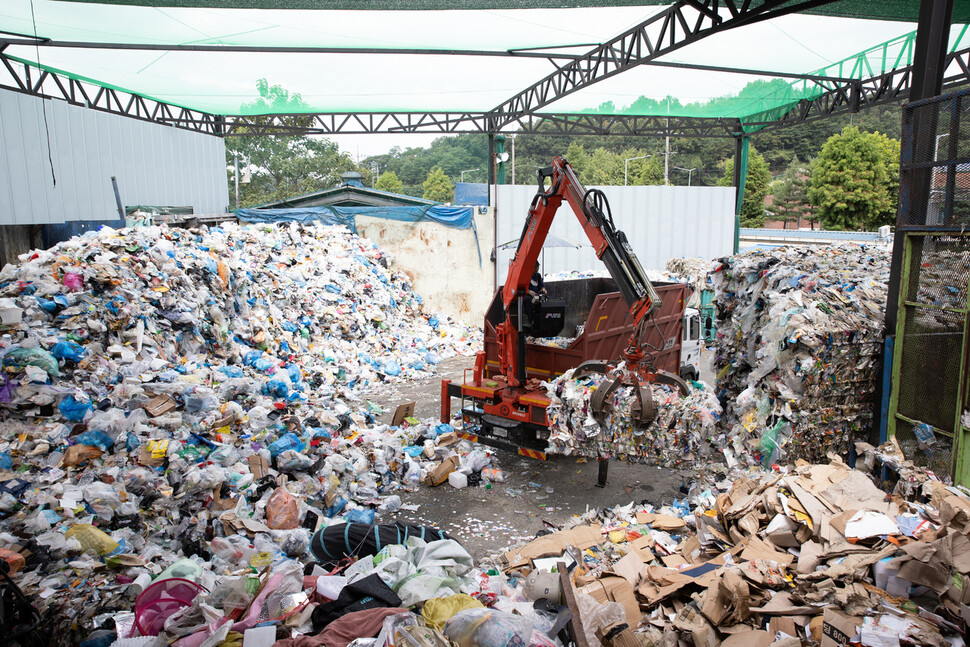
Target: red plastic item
160	600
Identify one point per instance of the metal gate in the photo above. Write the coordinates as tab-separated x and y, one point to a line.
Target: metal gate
930	386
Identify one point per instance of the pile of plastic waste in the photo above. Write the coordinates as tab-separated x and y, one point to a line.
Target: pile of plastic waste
799	335
685	429
169	392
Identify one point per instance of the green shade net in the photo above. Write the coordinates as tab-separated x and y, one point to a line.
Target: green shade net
368	78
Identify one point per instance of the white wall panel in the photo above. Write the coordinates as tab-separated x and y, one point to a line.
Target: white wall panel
154	164
661	222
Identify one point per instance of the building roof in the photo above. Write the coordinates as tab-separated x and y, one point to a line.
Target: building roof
347	195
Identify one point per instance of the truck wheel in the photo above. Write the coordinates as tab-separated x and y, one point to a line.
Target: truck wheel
689	375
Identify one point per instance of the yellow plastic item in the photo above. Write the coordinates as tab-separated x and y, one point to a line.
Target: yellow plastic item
158	448
438	611
617	536
92	539
261	560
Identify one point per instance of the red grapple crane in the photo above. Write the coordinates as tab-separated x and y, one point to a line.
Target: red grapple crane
510	400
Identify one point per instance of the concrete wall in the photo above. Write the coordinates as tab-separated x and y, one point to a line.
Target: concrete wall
154	164
443	262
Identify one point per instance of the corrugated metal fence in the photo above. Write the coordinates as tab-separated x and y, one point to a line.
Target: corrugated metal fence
661	222
154	164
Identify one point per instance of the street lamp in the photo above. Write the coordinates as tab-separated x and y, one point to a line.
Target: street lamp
689	171
626	163
468	171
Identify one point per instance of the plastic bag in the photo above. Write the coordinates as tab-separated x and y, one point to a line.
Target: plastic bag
293	461
438	611
489	628
68	350
597	615
73	282
360	515
772	441
92	540
96	439
79	454
74	410
282	513
18	358
286	442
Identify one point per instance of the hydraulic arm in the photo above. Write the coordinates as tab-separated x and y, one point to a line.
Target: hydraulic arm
611	247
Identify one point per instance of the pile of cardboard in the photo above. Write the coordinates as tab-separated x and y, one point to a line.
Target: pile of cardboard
818	553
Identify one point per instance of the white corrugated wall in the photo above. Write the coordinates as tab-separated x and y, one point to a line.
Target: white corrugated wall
661	222
154	164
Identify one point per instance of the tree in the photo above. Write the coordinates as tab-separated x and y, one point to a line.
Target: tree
389	181
438	187
576	156
282	166
788	193
651	173
851	184
802	183
755	187
603	168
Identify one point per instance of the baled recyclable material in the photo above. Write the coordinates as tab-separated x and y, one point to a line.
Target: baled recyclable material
799	335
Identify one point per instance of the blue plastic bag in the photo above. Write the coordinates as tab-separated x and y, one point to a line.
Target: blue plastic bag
68	350
336	507
391	367
6	461
285	442
74	410
264	364
277	387
360	515
97	439
231	371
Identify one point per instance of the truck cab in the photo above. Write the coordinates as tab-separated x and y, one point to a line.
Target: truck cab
691	345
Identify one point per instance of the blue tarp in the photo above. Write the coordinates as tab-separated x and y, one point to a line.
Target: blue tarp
471	193
458	217
325	215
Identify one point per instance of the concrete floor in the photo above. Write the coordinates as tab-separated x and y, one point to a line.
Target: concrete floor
486	521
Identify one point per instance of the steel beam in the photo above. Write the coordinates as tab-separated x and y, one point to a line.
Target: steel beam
680	24
467	122
25	79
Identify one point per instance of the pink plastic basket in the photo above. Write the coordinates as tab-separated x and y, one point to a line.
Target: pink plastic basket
160	600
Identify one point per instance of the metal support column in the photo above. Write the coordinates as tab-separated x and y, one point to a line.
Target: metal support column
932	40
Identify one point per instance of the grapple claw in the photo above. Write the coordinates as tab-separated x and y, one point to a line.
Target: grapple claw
663	377
645	409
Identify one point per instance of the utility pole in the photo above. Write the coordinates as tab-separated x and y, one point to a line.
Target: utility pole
513	160
667	155
235	157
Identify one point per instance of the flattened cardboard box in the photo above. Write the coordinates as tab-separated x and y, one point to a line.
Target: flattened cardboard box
614	588
552	545
838	628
